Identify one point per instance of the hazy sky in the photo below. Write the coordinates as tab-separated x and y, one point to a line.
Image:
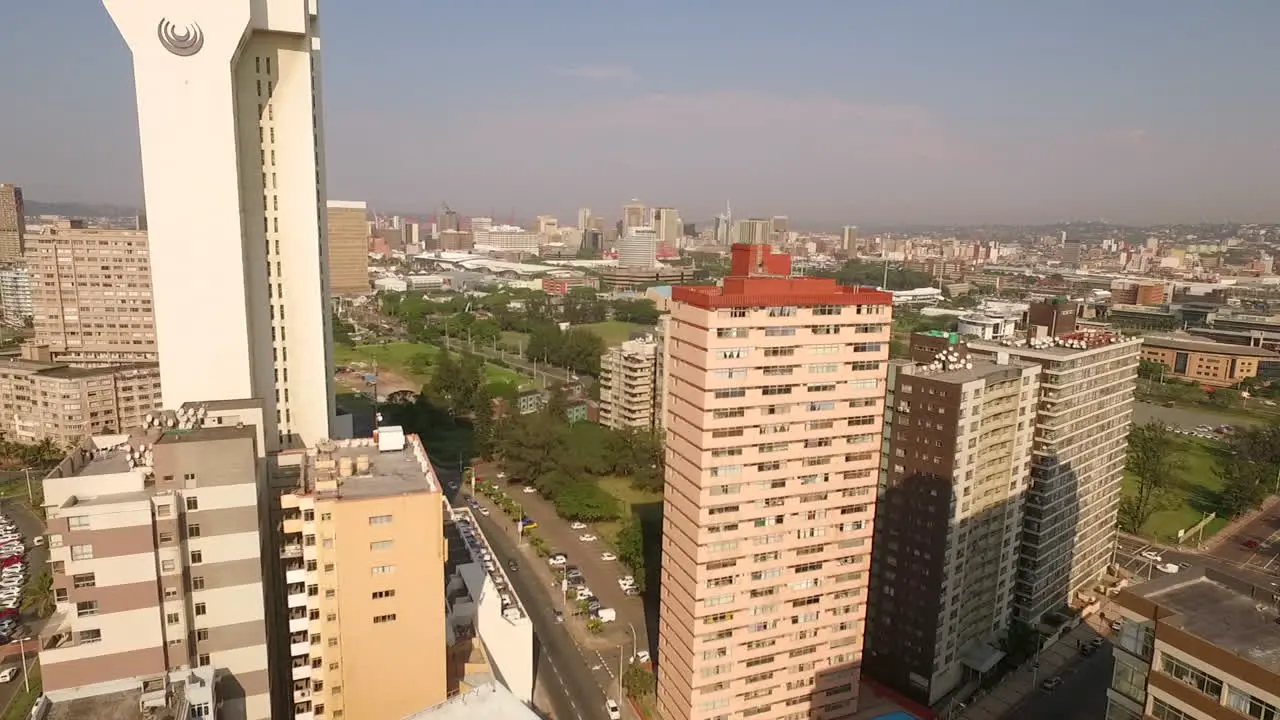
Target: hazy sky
830	111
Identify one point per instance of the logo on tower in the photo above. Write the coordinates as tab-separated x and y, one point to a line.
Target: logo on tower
183	41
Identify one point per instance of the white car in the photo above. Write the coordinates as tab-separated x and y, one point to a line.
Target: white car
584	593
557	560
1167	568
37	541
577	525
529	490
1153	556
640	657
611	707
587	538
8	674
484	511
608	556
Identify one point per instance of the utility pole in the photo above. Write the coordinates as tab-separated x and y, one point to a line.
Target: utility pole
31	499
620	648
22	651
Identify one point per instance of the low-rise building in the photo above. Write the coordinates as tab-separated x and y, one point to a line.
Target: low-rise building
1203	361
1200	644
45	400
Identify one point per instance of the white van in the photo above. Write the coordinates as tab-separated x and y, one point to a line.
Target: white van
607	614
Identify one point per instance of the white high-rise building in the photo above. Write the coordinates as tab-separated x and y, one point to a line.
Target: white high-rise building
230	120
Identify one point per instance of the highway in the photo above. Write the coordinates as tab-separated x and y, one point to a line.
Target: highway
559	667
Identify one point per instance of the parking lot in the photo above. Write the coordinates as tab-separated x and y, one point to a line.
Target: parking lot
26	527
611	649
1255	545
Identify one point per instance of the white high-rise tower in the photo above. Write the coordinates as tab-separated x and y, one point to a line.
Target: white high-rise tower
230	120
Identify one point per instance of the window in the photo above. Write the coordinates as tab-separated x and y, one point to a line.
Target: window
201	710
381	545
202	635
85	580
166	537
79	522
1160	710
201	610
203	660
382	594
197	557
84	637
193	503
172	618
193	531
168	566
197	582
87	608
383	569
81	552
171	593
380	619
1241	701
380	520
1129	681
1198	679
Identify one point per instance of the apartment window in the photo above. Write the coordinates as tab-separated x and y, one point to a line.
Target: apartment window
383	569
197	557
1129	681
79	522
85	580
60	595
172	618
84	637
379	519
1241	701
168	566
1160	710
1196	678
383	594
193	531
201	609
197	582
81	552
193	503
381	544
171	593
203	660
380	619
87	608
202	635
166	537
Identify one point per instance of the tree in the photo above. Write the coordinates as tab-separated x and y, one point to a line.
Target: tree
444	387
1225	398
641	311
1020	643
639	681
483	425
38	598
1153	459
1245	485
1150	370
582	499
556	410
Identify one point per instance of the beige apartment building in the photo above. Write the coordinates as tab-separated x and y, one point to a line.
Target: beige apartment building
91	294
773	420
1197	645
45	400
630	385
348	247
955	467
155	540
1081	436
363	554
12	223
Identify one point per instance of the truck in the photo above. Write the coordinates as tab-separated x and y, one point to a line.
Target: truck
605	614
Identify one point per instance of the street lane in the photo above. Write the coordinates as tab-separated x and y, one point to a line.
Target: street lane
557	656
1081	696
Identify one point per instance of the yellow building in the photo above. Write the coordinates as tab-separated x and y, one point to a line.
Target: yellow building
348	248
364	555
1185	357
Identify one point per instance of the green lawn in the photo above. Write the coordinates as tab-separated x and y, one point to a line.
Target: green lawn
1195	493
399	357
620	488
614	332
513	340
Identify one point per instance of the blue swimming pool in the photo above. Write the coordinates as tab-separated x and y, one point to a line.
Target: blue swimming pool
898	716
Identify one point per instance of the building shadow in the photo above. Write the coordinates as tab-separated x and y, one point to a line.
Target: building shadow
649	515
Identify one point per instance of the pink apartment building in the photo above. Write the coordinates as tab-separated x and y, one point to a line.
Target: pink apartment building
774	388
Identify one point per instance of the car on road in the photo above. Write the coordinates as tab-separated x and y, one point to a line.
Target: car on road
575	525
1184	564
1051	684
587	538
1087	650
626	581
640	657
611	707
1152	555
37	541
557	560
513	565
584	593
608	556
484	511
1169	568
529	490
1251	544
8	674
593	606
557	616
1097	642
1117	625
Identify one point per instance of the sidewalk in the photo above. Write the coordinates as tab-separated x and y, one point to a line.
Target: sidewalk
1002	700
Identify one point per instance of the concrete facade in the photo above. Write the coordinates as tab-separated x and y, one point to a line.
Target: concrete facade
773	420
348	247
15	295
363	554
630	386
154	545
231	129
12	224
91	295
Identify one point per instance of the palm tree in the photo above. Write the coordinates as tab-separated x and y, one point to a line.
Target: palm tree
38	598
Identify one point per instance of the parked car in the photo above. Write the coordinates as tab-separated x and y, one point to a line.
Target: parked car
611	707
587	538
1117	625
558	616
1169	568
529	490
1152	555
640	657
608	556
577	525
557	560
1251	544
8	674
1051	684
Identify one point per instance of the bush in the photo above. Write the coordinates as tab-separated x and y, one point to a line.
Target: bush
595	626
639	681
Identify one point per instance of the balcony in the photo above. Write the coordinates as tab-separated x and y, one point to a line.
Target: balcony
297	595
302	695
300	649
289	552
289	501
299	624
294	576
292	526
302	671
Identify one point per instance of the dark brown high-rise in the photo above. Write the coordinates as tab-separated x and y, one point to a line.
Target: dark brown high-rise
12	225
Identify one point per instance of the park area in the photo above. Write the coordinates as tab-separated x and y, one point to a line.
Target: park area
411	362
611	332
644	505
1194	492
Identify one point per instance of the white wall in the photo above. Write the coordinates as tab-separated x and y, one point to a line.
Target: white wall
224	548
229	605
121	632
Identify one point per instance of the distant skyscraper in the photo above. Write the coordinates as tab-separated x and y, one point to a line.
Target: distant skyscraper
638	248
753	231
12	225
633	215
349	247
849	239
584	218
448	220
666	221
230	121
780	230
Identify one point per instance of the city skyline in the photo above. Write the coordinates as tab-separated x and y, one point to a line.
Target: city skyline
1003	114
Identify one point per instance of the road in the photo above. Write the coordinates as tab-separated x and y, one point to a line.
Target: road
538	371
1144	412
37	557
560	669
1263	533
1081	696
1129	551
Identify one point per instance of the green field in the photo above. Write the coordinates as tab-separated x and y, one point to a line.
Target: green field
402	358
1194	493
628	497
614	332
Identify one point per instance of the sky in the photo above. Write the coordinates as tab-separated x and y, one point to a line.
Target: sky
828	111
